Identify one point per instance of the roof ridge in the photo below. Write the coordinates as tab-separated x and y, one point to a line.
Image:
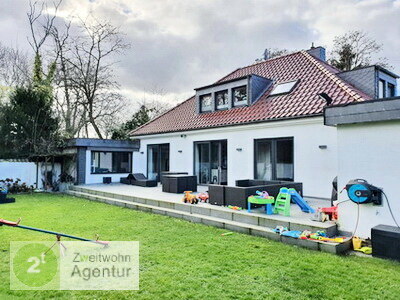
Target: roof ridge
340	82
167	111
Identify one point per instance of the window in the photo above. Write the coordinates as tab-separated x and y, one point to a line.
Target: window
239	96
381	89
274	159
205	103
283	88
111	162
391	90
221	99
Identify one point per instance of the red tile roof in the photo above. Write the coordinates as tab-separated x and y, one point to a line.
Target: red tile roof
315	77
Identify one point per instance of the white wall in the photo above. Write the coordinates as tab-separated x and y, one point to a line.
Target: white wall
98	178
26	171
315	167
369	151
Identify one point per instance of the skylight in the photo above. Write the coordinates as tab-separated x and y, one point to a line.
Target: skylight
283	88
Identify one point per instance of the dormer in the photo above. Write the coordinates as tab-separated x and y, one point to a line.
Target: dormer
238	92
375	81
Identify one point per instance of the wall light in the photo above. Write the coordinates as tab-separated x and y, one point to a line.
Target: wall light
323	147
141	152
239	149
179	151
183	135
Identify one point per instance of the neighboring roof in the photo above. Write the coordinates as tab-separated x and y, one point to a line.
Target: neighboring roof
314	75
376	67
377	110
103	143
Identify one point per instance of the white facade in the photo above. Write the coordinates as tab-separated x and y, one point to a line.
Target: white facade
369	151
314	167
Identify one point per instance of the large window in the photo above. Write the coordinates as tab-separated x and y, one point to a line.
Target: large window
274	159
239	96
111	162
157	160
206	103
221	99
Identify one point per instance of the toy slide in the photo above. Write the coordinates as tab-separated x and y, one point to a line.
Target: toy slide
300	201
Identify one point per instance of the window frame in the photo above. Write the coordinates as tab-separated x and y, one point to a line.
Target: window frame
273	156
93	152
295	82
246	102
383	89
201	102
391	87
226	106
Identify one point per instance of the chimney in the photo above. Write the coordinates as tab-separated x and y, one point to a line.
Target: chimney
318	52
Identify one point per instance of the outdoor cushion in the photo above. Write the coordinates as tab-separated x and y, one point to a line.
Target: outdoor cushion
139	176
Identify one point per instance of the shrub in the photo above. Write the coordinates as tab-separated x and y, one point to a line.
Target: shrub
15	186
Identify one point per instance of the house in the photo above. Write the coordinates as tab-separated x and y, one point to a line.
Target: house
368	143
263	121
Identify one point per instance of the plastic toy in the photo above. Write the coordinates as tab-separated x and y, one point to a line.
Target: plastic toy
234	207
292	233
365	250
295	196
57	234
203	197
280	229
3	196
282	202
227	233
190	198
262	198
331	212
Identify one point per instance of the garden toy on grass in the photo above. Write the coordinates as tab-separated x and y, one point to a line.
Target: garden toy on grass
3	196
190	198
57	234
262	198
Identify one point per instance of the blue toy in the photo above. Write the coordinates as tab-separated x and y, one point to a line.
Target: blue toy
300	201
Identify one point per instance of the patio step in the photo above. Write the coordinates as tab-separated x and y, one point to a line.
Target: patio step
243	216
211	220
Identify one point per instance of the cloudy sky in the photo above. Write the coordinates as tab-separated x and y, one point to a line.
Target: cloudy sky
178	45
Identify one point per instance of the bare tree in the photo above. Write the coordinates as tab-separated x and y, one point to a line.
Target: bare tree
355	49
273	52
14	67
92	64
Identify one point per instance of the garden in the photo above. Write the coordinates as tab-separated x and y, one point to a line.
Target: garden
179	259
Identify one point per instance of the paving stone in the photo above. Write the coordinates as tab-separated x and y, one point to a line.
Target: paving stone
237	228
174	214
313	245
131	206
158	211
191	218
271	223
289	240
334	247
248	219
120	204
139	200
200	210
182	207
166	204
221	214
212	223
267	234
143	208
152	202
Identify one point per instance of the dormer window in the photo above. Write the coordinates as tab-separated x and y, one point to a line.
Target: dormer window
206	103
221	99
239	96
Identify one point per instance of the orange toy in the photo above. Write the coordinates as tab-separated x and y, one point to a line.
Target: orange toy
190	198
331	212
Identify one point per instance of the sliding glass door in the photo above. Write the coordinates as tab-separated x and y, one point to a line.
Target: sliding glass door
157	160
211	162
274	159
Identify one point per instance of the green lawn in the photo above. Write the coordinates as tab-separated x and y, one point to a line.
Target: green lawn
182	260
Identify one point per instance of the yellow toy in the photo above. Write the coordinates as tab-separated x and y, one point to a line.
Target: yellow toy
190	198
